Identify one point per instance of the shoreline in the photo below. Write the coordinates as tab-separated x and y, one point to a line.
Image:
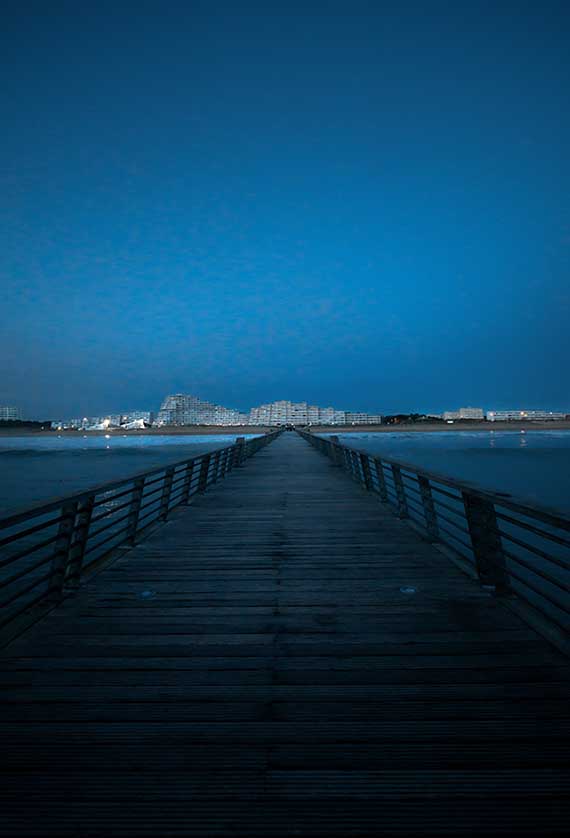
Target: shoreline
214	430
438	428
189	430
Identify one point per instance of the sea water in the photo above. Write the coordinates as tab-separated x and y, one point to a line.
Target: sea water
40	468
532	466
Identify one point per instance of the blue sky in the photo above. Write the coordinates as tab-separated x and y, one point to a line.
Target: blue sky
364	204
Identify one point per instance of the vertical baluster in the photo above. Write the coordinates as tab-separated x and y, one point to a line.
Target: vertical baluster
355	464
335	451
400	492
203	476
338	455
187	485
166	491
486	542
230	464
429	508
382	490
134	509
216	468
61	550
79	542
240	451
365	465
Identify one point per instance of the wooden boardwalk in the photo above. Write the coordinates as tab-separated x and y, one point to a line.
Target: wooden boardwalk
283	658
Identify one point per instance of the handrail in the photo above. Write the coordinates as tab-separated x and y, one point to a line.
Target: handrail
68	542
532	575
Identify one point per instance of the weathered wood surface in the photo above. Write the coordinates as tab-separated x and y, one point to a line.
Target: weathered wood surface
255	668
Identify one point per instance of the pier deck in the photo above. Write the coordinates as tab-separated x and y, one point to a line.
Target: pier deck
283	657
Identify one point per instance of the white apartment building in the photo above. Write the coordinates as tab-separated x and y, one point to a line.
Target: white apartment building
185	409
464	413
10	413
301	413
111	420
147	416
525	416
331	416
363	419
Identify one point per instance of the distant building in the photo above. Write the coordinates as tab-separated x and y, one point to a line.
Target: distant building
147	416
301	413
10	413
464	413
185	409
331	416
66	424
111	420
363	419
525	416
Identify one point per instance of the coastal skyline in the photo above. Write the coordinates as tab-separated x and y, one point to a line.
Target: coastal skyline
286	409
362	206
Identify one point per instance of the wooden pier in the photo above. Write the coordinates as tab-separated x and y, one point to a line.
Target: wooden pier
283	657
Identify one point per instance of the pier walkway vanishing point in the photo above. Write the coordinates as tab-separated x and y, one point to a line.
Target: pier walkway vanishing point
283	657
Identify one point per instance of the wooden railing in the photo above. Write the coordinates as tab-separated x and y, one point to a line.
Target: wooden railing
519	552
46	550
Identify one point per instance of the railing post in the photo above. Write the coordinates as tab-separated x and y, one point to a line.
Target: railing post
429	508
400	492
185	498
366	471
217	457
486	542
61	550
79	542
240	450
354	465
336	453
355	457
134	509
203	476
224	465
382	490
166	490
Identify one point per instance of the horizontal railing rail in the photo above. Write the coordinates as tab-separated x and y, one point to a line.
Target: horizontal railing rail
518	551
47	549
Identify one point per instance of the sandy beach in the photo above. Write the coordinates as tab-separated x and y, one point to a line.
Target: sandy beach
211	430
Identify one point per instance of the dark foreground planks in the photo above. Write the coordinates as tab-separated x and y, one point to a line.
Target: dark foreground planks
254	668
